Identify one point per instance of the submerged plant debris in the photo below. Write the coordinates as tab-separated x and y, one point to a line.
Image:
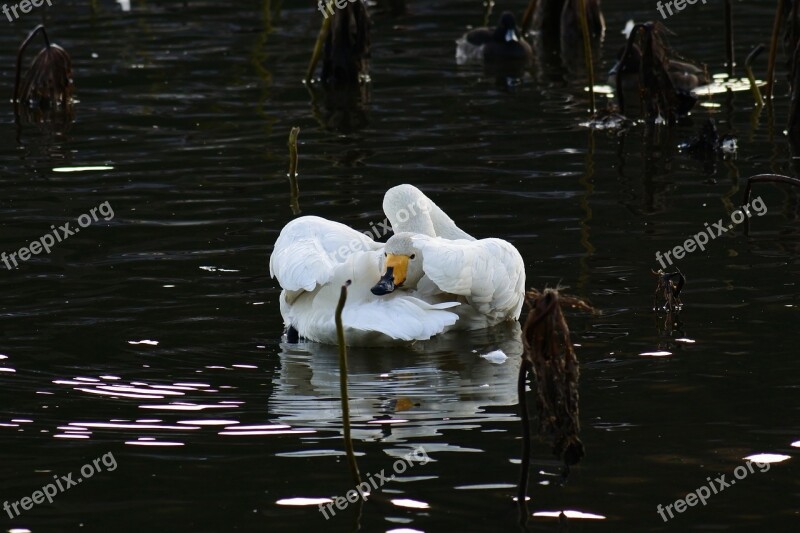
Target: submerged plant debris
48	81
709	143
549	352
345	59
668	291
665	79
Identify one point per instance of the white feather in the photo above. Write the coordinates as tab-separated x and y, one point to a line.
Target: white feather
497	357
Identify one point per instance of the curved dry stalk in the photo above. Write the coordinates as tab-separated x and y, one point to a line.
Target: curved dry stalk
294	186
21	51
748	67
763	178
317	52
729	38
48	81
348	441
773	49
295	131
794	100
522	489
766	178
487	12
527	18
587	50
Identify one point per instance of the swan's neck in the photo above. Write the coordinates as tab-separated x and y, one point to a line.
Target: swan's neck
409	210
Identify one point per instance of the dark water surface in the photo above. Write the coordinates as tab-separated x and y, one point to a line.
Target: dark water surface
191	106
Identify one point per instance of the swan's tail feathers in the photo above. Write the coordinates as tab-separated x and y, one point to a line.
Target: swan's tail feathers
402	318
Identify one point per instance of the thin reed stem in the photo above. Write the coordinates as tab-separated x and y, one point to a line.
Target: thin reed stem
587	50
348	442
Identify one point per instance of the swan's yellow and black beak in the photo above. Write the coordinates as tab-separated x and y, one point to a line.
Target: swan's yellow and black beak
395	275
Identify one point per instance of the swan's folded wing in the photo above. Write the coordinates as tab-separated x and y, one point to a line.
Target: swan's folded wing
422	215
309	248
402	317
490	273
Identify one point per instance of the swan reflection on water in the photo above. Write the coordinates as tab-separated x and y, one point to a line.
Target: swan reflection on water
401	393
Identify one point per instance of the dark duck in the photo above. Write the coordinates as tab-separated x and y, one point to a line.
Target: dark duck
498	45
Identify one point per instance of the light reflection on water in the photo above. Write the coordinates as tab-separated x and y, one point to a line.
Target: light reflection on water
430	388
158	337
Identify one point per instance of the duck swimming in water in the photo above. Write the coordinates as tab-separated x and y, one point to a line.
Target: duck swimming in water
501	44
428	278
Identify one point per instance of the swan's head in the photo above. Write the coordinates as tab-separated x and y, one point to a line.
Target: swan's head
401	265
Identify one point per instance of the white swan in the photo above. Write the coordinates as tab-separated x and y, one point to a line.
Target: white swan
429	277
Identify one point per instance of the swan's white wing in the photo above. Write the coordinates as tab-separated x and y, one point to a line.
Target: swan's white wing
309	248
367	318
403	318
490	273
410	211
